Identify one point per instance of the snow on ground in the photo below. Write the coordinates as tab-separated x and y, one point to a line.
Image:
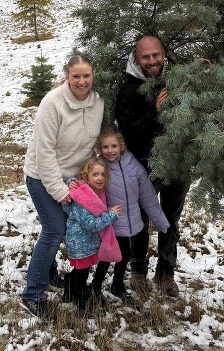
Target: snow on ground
17	59
199	273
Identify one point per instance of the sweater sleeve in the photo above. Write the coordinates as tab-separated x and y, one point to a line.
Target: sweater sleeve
88	221
47	125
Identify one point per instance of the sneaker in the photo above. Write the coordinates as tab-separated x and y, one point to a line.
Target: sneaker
56	284
36	308
139	283
167	285
121	293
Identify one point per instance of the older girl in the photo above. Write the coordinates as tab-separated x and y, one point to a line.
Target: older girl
130	186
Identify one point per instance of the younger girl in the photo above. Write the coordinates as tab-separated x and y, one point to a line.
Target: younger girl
130	186
82	234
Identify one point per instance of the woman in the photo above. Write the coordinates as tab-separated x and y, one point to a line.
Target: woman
67	124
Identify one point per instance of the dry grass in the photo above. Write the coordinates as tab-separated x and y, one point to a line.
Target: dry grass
30	102
12	153
26	38
11	165
72	331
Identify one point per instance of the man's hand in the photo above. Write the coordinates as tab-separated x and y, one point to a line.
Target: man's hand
161	98
206	61
66	201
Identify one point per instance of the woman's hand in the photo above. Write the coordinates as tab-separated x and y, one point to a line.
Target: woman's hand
73	185
117	209
66	201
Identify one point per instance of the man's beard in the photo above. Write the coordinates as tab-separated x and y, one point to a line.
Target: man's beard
148	70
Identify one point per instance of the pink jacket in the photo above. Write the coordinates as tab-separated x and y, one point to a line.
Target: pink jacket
109	250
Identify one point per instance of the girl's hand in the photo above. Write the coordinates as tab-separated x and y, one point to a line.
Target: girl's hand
73	185
161	98
117	209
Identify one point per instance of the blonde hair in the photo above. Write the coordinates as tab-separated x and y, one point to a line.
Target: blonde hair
77	59
74	60
88	166
112	131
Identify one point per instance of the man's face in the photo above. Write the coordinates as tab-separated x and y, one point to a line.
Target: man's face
150	56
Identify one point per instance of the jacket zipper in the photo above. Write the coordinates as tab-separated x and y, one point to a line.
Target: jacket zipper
126	195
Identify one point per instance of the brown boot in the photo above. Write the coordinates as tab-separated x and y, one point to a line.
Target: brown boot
139	283
167	285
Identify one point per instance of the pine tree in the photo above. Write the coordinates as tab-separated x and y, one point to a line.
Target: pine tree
33	15
41	80
192	144
215	45
193	114
111	28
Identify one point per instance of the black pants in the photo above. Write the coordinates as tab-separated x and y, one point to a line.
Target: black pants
139	249
119	267
172	199
75	283
79	279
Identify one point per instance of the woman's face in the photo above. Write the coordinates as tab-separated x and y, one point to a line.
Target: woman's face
80	78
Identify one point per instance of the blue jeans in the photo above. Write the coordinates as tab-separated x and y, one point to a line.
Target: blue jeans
43	266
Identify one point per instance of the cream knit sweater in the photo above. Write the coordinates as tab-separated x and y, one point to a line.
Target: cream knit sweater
64	134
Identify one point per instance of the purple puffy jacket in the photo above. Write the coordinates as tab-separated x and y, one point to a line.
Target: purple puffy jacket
130	186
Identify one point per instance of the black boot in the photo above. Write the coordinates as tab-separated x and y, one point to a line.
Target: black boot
81	292
96	296
82	300
121	292
69	288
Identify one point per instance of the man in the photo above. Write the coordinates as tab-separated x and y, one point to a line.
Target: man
137	118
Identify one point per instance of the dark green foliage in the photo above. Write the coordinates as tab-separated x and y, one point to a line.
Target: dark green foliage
188	29
33	14
41	80
111	28
192	145
215	46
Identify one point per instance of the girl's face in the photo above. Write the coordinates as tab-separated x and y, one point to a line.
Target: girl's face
80	78
111	149
96	178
